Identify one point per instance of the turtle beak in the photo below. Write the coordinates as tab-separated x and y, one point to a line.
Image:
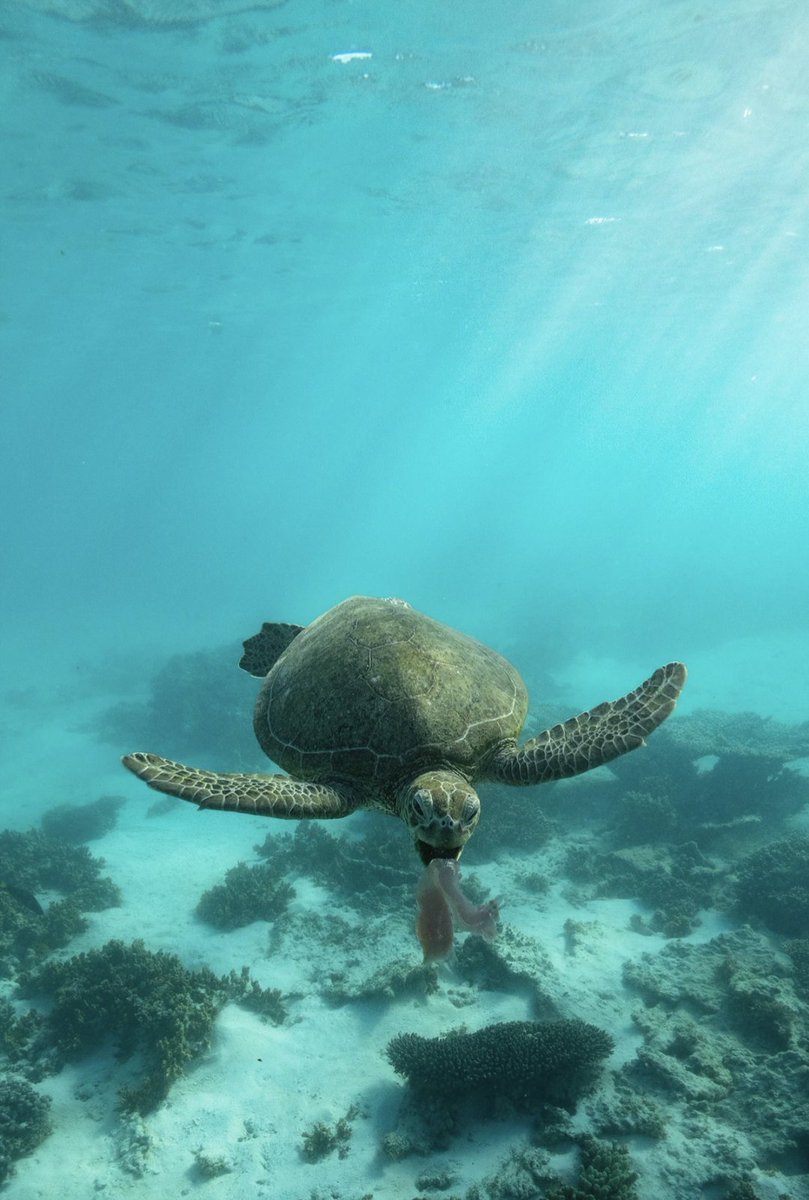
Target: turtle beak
427	852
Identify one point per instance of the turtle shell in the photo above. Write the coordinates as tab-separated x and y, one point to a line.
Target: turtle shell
373	691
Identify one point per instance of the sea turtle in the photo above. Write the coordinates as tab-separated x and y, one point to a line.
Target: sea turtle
376	706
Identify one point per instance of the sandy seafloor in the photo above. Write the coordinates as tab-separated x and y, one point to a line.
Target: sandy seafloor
259	1086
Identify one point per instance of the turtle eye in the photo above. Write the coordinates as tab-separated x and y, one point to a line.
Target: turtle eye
471	811
421	803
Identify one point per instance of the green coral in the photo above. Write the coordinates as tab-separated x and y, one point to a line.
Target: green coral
773	884
525	1062
24	1122
144	1001
248	894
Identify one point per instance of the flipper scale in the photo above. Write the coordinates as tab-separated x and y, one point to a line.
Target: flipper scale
592	738
257	795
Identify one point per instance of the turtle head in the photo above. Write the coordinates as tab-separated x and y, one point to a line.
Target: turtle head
441	809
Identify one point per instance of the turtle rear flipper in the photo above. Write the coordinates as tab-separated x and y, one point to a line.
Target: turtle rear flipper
257	795
262	651
592	738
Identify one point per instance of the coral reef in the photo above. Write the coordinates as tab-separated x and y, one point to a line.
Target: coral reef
512	820
675	881
374	871
642	817
352	981
267	1003
743	735
142	1000
526	1173
321	1140
26	936
77	823
20	1035
741	1189
618	1111
199	703
770	1102
798	951
527	1063
516	964
248	894
37	863
668	793
762	1007
680	1057
605	1172
725	1034
211	1166
24	1122
736	976
773	885
435	1179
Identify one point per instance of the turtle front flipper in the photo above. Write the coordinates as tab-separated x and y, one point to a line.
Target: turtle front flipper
258	795
592	738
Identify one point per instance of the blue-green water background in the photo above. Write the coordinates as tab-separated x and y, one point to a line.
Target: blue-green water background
508	318
498	307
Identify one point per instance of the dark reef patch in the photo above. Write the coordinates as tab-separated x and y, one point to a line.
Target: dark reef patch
773	885
77	823
198	703
526	1063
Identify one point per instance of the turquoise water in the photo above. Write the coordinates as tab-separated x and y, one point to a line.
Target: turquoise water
506	318
498	308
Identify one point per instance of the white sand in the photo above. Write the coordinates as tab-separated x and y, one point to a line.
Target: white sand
259	1087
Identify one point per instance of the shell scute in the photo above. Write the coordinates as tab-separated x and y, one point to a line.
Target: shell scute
373	688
